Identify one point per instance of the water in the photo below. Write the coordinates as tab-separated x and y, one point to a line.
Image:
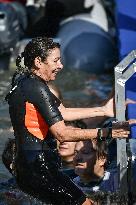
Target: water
78	90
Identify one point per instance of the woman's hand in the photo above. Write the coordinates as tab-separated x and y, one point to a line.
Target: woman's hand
132	121
120	129
129	101
109	108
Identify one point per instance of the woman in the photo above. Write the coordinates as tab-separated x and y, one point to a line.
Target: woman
38	118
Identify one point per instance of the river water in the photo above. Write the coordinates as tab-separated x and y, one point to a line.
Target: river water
78	89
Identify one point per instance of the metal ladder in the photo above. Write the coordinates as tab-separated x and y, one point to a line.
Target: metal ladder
123	71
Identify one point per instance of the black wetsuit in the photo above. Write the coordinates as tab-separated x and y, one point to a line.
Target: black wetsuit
37	160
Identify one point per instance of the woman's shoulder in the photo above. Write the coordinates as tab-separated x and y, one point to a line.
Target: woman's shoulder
34	82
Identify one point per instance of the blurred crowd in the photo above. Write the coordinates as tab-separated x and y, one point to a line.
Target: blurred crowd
25	19
43	17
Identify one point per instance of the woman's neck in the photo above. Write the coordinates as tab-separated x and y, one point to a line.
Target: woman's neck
40	75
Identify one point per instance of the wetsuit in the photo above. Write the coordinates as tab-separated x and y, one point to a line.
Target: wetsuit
33	109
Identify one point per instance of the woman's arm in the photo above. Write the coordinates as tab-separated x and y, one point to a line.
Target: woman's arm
64	133
129	101
70	114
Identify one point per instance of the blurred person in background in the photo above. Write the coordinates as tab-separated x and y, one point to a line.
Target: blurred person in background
90	165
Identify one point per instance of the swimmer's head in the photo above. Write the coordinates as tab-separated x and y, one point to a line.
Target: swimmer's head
39	47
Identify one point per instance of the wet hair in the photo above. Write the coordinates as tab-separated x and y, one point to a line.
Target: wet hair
8	155
37	47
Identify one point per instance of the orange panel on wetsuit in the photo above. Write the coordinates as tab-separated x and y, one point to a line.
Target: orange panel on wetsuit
34	122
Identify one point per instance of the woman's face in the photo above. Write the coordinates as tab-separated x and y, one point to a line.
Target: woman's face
51	66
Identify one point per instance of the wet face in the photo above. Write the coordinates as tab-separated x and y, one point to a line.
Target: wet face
67	150
50	67
85	159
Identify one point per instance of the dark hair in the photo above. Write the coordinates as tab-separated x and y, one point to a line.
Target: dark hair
101	149
8	154
76	123
37	47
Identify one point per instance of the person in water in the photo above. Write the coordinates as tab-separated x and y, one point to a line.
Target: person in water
37	116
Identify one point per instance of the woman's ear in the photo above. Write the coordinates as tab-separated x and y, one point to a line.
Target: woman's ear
37	62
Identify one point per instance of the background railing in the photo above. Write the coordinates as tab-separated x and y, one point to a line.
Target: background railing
123	72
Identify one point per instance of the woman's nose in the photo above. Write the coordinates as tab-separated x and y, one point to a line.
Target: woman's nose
60	65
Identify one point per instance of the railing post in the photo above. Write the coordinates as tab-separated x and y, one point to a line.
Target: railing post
123	71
